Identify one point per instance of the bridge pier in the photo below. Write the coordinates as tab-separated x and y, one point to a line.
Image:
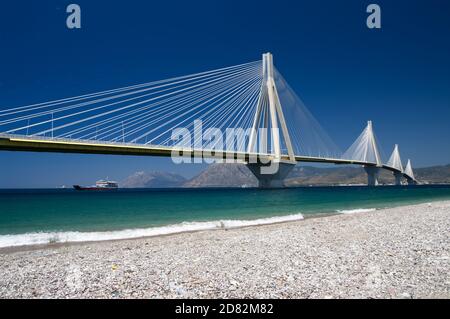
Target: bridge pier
410	181
372	175
398	178
269	175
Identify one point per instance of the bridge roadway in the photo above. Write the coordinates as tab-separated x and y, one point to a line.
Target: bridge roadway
59	145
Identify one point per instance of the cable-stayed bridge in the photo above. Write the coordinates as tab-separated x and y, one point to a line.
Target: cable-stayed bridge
246	112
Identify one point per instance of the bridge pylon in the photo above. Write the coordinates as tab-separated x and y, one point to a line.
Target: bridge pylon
269	120
409	174
373	154
372	146
396	162
365	150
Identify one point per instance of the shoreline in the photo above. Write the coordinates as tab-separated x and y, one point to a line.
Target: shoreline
55	245
401	252
33	247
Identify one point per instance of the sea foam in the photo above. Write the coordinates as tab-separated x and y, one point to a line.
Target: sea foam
40	238
355	211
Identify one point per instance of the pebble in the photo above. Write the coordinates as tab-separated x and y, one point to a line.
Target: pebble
399	252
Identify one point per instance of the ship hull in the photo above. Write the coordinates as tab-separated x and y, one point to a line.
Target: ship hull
82	188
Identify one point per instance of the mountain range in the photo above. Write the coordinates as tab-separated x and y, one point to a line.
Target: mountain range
238	175
154	179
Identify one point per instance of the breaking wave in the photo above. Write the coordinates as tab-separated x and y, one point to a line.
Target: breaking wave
40	238
355	211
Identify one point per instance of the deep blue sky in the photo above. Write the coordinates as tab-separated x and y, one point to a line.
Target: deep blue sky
398	76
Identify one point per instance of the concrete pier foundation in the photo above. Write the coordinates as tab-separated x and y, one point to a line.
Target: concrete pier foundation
269	175
372	175
398	178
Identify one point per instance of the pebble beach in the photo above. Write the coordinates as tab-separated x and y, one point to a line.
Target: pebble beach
401	252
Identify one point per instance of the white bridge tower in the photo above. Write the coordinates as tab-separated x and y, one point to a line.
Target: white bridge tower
396	162
270	174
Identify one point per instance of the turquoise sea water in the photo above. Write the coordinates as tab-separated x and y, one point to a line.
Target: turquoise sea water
46	212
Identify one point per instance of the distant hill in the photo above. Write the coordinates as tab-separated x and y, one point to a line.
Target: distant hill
308	175
434	174
224	175
153	179
238	175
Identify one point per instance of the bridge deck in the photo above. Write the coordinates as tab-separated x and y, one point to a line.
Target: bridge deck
45	144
